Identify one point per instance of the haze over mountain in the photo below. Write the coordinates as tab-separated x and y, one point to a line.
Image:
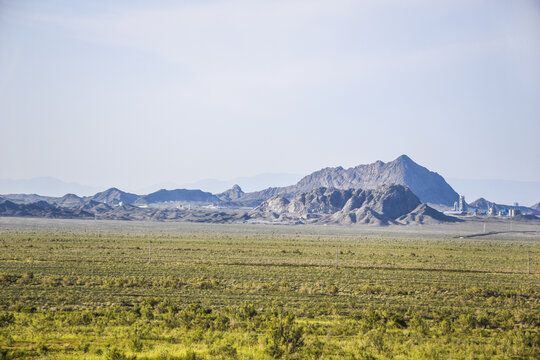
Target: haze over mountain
45	186
52	187
247	183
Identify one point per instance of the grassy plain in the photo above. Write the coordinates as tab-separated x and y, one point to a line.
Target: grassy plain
85	290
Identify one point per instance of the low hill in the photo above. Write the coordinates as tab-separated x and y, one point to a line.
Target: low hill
115	196
40	209
177	195
69	201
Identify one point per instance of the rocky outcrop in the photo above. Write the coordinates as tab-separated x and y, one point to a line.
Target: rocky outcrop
388	204
232	194
423	214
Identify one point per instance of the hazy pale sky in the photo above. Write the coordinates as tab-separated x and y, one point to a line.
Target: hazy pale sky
132	93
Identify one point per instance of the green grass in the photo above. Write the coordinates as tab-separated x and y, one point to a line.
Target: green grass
85	289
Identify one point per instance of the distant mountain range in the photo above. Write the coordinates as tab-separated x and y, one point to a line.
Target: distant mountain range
500	191
401	182
389	204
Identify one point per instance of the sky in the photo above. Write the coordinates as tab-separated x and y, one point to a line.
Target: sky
134	93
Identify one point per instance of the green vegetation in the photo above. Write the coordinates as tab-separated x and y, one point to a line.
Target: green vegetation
85	290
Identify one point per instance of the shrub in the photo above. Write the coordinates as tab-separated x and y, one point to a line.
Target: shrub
6	319
5	355
284	335
226	351
7	279
115	354
136	344
42	349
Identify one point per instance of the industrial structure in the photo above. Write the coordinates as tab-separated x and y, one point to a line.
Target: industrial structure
462	208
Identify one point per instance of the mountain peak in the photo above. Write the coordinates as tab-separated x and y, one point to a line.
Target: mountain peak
113	189
115	196
404	159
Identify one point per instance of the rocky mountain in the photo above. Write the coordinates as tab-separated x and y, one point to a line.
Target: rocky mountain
388	204
429	186
232	194
177	195
115	196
